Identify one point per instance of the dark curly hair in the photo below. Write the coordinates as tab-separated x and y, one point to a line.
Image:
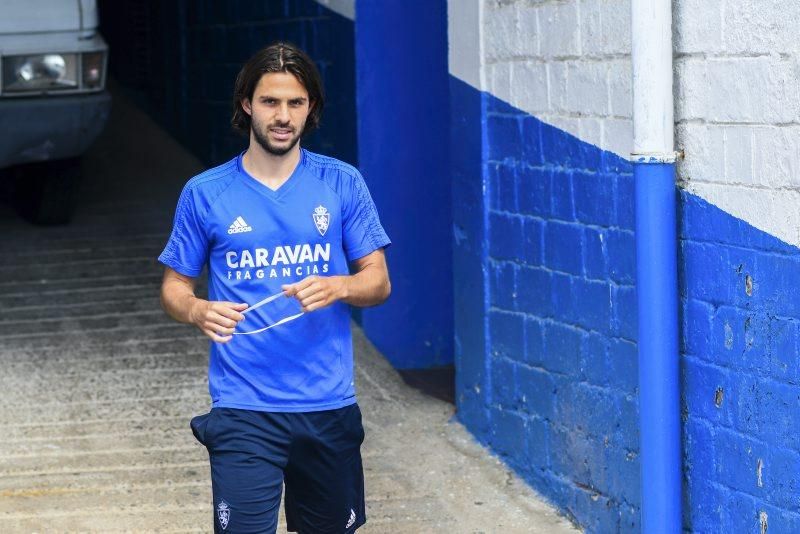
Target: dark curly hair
280	56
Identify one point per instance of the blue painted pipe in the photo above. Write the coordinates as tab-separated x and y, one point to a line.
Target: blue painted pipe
659	384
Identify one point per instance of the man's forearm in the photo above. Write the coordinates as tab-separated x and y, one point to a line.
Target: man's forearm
178	299
216	319
368	287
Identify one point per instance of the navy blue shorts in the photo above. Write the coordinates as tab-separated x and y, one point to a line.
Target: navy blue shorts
317	455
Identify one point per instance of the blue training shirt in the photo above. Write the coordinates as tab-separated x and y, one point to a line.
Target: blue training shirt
253	240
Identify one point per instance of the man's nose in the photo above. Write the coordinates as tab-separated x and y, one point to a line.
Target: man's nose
282	114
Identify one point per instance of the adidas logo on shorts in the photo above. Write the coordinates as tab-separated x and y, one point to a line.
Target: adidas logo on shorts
238	226
352	518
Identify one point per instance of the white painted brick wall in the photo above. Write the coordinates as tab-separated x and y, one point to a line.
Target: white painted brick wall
753	27
737	108
618	132
707	142
587	87
697	26
690	98
605	27
776	153
737	142
529	43
530	86
749	89
557	87
737	90
565	61
620	98
560	31
501	33
500	81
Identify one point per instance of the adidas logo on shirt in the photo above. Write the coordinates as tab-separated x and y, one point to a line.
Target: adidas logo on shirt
238	226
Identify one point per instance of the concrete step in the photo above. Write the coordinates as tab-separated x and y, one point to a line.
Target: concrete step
88	428
174	403
54	297
49	311
158	433
193	468
181	521
173	512
190	340
116	332
28	464
26	237
32	288
168	517
98	518
43	390
69	367
99	320
54	256
78	435
161	499
76	269
118	459
180	402
20	431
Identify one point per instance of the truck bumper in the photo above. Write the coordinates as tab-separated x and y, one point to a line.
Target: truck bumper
50	127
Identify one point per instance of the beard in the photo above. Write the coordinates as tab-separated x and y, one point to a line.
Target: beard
261	135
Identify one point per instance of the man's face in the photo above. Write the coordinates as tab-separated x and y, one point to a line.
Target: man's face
278	112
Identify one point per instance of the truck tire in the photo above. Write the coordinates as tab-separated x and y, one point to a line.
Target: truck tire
45	191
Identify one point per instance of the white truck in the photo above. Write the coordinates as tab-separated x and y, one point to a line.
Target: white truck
53	102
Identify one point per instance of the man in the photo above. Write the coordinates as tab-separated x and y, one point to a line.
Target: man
278	220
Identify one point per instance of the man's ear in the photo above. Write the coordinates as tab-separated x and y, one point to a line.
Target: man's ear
245	102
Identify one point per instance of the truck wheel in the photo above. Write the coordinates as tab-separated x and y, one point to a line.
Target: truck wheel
45	191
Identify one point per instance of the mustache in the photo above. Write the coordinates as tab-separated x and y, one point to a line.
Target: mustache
281	126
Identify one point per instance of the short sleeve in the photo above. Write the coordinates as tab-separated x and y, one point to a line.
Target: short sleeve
362	232
187	249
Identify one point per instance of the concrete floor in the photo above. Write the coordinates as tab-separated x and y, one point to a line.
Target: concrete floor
98	385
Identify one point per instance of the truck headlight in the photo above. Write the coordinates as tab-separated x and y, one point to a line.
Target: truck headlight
41	72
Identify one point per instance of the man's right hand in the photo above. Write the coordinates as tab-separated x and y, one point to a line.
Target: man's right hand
217	319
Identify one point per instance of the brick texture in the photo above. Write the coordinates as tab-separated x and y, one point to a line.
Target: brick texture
563	364
559	403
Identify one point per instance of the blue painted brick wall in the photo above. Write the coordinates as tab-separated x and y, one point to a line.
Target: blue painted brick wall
741	386
562	363
558	394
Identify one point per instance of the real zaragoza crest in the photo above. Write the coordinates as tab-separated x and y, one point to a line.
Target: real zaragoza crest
321	219
223	514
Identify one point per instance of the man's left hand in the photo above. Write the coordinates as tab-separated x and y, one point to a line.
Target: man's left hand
315	292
